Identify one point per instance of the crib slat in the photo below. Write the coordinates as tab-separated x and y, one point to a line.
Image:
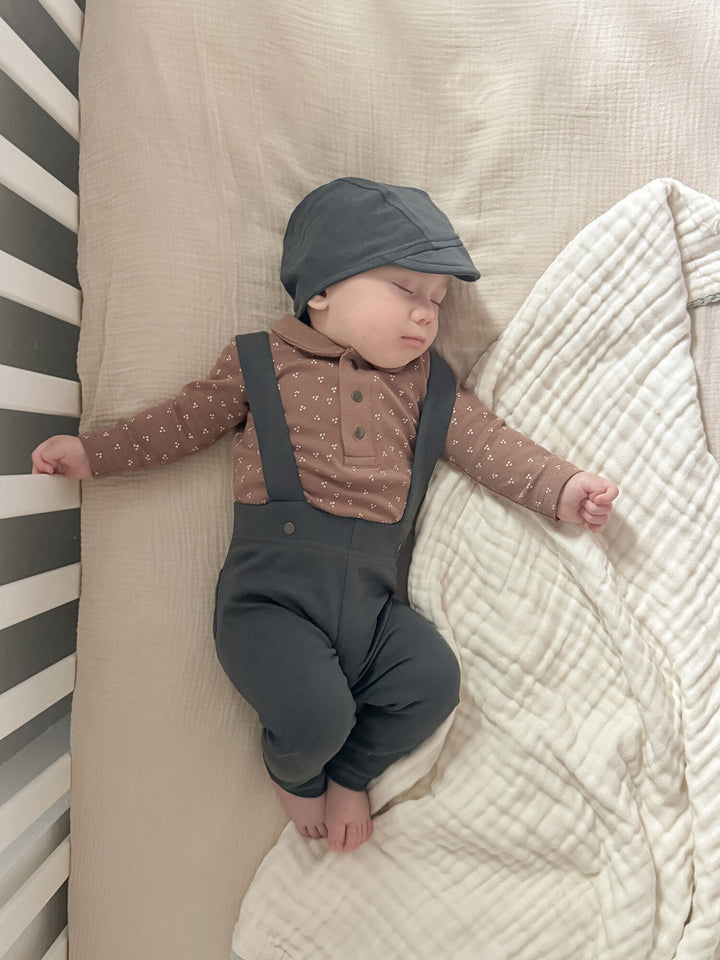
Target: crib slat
68	16
35	341
23	809
41	542
36	28
27	178
29	72
30	899
24	495
38	393
25	123
30	235
35	595
23	283
29	699
59	950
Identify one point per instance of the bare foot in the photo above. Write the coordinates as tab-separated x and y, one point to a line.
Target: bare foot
347	817
307	813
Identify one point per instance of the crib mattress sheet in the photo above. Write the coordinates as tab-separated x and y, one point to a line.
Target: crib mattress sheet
202	126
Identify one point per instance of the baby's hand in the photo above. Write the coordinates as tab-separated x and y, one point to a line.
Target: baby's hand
586	498
64	455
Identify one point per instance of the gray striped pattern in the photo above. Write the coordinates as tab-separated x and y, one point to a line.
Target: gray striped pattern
38	535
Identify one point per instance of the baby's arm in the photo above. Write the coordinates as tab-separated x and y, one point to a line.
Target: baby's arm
505	461
62	454
483	446
200	415
586	498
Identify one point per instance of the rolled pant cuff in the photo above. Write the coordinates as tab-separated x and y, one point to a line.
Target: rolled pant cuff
347	779
315	787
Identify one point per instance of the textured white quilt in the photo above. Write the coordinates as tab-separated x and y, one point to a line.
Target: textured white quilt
571	807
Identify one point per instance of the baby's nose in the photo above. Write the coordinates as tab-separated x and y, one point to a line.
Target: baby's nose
423	312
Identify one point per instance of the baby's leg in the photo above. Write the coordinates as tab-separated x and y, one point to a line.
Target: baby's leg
410	688
288	670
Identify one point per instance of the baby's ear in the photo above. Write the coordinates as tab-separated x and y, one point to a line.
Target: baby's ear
319	301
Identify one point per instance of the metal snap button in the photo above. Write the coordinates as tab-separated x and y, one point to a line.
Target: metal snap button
357	396
359	432
289	528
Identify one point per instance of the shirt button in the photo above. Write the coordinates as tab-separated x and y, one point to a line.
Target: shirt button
289	528
359	433
357	396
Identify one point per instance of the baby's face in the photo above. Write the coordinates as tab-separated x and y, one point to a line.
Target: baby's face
388	315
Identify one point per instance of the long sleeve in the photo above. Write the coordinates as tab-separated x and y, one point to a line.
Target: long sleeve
199	415
483	447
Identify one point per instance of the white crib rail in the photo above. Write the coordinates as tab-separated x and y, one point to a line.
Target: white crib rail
25	284
29	72
38	292
27	805
22	496
24	906
29	699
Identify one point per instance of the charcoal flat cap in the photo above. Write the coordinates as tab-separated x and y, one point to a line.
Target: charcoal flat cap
351	225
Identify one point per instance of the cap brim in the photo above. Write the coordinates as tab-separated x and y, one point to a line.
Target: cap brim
453	261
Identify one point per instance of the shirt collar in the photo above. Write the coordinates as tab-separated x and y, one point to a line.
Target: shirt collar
316	344
309	340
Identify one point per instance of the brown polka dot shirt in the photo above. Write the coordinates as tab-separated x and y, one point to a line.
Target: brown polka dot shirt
352	428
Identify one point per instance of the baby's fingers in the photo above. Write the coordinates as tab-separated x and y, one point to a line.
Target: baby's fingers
593	509
606	496
595	515
40	463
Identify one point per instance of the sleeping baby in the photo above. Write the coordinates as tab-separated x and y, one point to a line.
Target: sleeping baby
339	415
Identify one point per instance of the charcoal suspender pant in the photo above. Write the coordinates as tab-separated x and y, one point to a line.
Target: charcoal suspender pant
345	678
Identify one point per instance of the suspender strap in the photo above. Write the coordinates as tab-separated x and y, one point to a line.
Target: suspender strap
278	460
432	431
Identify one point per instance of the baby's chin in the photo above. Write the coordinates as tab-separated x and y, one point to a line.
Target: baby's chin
393	360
